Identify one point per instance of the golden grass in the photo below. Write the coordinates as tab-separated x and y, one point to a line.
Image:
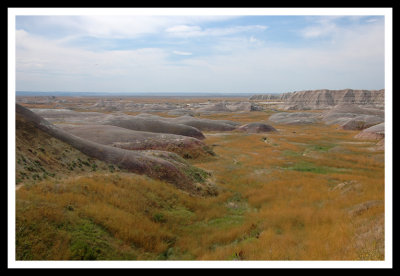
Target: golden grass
298	215
276	201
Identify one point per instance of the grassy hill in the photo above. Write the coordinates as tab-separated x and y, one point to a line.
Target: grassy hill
63	210
40	156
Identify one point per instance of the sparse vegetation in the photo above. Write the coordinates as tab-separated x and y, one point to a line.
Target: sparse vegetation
47	162
276	200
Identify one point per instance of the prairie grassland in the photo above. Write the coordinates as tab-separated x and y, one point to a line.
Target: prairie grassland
302	193
290	182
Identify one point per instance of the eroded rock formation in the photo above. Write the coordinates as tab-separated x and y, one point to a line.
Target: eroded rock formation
324	98
257	128
296	118
161	165
353	117
187	147
375	132
138	123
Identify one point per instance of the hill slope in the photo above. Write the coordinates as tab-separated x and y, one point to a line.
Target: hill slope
40	156
161	165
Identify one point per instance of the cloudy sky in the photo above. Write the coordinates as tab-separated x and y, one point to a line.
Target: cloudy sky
198	53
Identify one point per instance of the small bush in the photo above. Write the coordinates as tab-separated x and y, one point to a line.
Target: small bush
159	217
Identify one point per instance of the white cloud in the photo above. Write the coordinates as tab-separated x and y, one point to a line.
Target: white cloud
183	29
122	26
371	20
318	31
197	31
322	27
181	53
45	65
354	59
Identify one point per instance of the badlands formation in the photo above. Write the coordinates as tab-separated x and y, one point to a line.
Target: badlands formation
133	135
349	109
293	176
325	99
153	163
121	118
145	143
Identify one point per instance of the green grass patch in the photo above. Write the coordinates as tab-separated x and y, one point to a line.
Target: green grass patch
304	166
196	174
179	215
291	153
318	148
321	147
89	241
226	221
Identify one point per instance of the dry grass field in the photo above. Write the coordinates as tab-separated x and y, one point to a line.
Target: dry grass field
305	192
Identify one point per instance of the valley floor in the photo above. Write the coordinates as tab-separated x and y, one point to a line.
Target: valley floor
305	192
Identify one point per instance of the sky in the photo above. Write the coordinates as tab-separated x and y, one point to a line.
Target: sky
198	53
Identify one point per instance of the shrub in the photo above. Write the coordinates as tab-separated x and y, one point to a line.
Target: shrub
159	217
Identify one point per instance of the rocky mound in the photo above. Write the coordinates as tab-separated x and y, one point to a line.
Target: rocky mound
202	124
181	112
219	107
242	107
165	166
184	146
206	124
355	109
353	117
153	125
226	107
375	132
257	128
361	122
66	115
297	118
139	123
70	116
